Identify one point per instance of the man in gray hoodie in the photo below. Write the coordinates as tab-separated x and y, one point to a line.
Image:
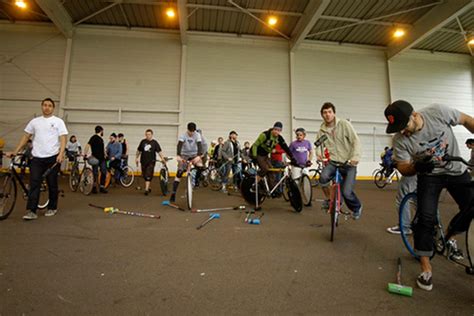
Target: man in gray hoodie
230	154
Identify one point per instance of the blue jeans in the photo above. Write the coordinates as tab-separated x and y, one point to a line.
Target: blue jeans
235	167
348	174
405	186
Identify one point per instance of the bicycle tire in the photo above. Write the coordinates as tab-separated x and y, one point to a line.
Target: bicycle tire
127	177
44	196
189	189
214	179
379	180
8	192
246	190
306	190
74	178
333	211
164	176
87	181
470	248
284	191
294	195
314	175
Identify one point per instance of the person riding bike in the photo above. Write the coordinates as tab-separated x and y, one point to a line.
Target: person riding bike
263	146
421	141
189	149
387	161
114	156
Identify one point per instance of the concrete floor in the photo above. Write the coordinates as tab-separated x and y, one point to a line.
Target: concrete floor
83	261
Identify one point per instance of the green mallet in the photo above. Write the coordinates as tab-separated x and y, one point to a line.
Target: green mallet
398	288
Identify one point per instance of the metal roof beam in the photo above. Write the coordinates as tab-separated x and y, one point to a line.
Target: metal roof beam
428	24
233	9
313	11
464	34
183	21
90	16
362	21
58	15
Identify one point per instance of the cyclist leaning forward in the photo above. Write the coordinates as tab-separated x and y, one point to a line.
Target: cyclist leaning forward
189	150
264	145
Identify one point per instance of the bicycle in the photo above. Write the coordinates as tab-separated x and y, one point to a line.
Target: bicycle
409	204
315	173
335	202
381	179
215	175
250	189
305	185
190	182
75	174
8	188
127	174
164	176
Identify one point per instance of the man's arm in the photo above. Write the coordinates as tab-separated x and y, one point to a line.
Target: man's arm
63	141
137	157
24	139
467	121
406	168
356	148
179	147
199	145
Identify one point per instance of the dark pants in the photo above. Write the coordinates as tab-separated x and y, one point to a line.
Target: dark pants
264	163
37	169
428	190
348	174
103	170
236	173
115	164
148	170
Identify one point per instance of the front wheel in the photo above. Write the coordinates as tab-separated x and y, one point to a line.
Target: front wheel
379	179
8	193
189	188
74	178
164	175
470	247
248	190
127	177
306	190
294	195
334	208
314	176
87	181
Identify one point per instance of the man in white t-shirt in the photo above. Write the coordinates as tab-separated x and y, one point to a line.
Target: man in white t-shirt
49	141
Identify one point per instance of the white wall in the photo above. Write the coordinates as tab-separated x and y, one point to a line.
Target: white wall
237	85
34	73
423	79
229	83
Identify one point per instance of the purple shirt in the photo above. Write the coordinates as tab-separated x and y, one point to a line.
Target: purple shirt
301	150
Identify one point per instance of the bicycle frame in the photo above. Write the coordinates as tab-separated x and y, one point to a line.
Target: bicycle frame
267	187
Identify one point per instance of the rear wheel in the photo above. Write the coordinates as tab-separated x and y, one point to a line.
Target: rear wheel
87	181
215	179
379	179
306	190
7	195
164	175
247	189
294	195
74	178
470	247
127	177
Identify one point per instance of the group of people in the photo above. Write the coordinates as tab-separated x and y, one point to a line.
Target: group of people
422	138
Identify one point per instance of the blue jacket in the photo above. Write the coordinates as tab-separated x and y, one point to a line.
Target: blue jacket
114	150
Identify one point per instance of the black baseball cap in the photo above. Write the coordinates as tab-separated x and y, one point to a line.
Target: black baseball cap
278	125
398	115
233	132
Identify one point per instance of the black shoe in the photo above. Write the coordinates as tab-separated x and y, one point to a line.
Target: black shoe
173	198
103	190
425	281
147	191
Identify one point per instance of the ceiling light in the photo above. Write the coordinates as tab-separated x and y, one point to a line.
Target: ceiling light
21	4
399	33
272	20
170	13
470	41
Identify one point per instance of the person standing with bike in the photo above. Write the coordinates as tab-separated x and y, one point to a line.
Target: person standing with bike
114	156
49	142
344	148
189	150
230	153
146	156
97	158
422	139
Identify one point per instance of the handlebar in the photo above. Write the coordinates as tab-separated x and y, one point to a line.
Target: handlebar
449	158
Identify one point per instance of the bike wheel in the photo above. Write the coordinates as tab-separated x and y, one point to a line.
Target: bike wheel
189	189
314	175
470	247
8	193
408	204
87	181
334	207
247	189
294	195
164	181
44	196
284	191
127	177
379	180
74	178
215	179
306	190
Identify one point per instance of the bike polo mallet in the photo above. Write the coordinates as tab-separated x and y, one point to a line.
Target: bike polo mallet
212	216
398	288
168	203
113	210
239	207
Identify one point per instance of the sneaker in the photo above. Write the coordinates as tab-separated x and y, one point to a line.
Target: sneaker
454	253
173	198
147	191
50	213
103	190
396	230
425	281
325	205
357	214
30	216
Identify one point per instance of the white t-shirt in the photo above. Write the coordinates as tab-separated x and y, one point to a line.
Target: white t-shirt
46	132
